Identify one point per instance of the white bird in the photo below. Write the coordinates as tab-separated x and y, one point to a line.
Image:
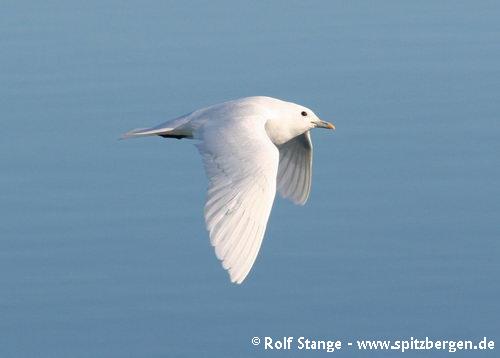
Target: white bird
251	147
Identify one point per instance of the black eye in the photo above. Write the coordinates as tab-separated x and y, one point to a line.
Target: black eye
304	114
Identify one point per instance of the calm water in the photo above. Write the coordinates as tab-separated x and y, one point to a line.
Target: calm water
103	251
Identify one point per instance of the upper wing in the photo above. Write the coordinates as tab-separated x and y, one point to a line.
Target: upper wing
241	163
295	168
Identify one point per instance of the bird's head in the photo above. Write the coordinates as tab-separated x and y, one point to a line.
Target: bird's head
289	120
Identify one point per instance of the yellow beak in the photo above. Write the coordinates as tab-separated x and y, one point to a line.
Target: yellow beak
324	124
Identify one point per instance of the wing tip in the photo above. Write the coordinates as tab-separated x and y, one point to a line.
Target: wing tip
237	279
133	133
144	132
301	200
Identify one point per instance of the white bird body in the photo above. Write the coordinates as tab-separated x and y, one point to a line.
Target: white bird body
250	147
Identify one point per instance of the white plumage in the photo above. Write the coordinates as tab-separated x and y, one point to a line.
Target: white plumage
250	147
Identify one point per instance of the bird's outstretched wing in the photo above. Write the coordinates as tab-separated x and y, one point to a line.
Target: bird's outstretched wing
241	163
295	168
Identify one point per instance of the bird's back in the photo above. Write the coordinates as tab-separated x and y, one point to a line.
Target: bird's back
223	115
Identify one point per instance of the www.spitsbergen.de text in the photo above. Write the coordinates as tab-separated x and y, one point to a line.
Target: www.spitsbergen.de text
404	345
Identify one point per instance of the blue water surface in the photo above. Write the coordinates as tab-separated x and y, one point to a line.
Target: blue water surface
103	249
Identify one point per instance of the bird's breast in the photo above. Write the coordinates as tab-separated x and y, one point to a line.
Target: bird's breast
280	132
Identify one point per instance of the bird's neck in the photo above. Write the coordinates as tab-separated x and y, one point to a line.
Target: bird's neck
281	132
